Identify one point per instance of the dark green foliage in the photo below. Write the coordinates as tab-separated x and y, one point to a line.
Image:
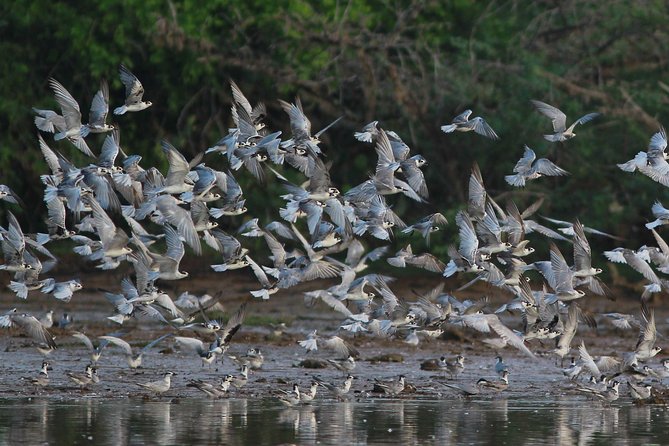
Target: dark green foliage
412	65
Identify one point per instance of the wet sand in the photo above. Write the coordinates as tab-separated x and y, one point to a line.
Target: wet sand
531	378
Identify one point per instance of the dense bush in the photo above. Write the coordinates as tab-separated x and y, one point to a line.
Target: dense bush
412	65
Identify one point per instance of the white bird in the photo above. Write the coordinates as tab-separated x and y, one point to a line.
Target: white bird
559	120
98	112
42	379
70	127
61	290
292	398
462	123
134	92
30	324
134	360
96	351
645	347
661	215
530	168
160	386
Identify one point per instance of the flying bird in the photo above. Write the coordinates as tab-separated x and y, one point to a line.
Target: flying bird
530	168
559	120
462	123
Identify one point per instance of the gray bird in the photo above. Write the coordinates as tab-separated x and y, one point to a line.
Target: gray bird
95	351
339	392
638	260
560	278
609	394
453	368
573	370
345	365
645	348
497	386
652	162
243	378
42	379
8	195
84	379
500	367
559	120
530	168
426	261
134	360
61	290
253	358
462	123
393	387
426	226
640	392
466	389
211	390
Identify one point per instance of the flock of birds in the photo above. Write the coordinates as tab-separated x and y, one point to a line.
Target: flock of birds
115	212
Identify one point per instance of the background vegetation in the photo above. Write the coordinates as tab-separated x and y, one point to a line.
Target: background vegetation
412	65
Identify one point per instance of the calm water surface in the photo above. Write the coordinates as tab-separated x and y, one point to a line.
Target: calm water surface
254	422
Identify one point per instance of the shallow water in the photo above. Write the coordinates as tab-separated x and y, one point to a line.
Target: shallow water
240	421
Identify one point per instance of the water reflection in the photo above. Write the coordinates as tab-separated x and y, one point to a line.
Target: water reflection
199	421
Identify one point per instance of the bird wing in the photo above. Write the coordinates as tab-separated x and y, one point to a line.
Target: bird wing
193	344
427	261
180	219
32	326
155	342
234	324
658	142
524	164
477	193
640	266
462	117
483	128
100	105
585	118
299	123
240	99
259	273
508	335
563	275
558	118
175	247
570	326
133	87
119	343
582	251
469	242
340	346
648	335
546	167
588	362
179	167
68	105
83	338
